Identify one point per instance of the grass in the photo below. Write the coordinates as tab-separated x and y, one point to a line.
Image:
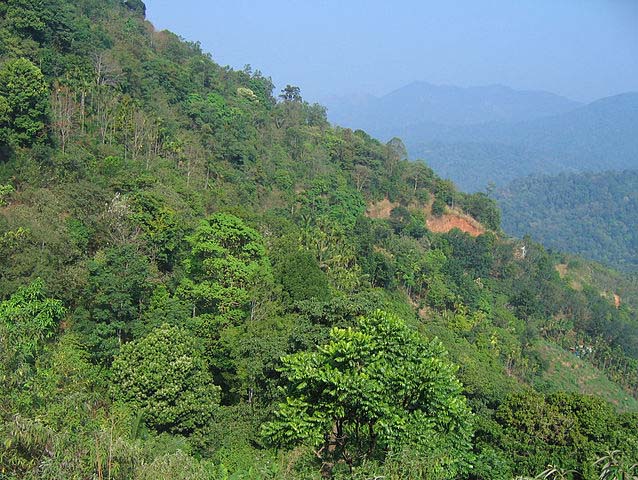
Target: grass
569	373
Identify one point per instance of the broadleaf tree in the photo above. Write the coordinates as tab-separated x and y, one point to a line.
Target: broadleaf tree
372	391
165	377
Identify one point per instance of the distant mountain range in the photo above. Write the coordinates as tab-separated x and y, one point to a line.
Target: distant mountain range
495	134
422	102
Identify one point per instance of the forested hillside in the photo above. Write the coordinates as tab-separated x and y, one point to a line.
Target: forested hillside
200	278
591	214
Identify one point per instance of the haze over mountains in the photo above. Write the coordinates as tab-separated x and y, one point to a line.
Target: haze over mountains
479	135
421	102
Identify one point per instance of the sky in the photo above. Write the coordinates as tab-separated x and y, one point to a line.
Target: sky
582	49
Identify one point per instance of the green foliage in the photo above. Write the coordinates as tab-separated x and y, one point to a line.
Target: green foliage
165	377
291	93
28	319
160	226
438	207
615	467
5	191
226	264
332	199
211	113
302	278
27	17
136	5
484	209
371	390
28	322
117	284
150	136
24	102
228	277
567	429
590	214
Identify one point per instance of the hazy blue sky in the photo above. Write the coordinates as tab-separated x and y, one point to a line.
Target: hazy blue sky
584	49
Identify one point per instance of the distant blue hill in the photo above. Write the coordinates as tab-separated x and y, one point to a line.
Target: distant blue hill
596	137
422	102
495	134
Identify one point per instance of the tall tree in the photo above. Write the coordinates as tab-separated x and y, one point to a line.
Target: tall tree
165	377
291	93
24	102
376	389
227	262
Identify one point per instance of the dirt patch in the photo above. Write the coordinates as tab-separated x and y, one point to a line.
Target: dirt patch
448	221
617	300
576	285
561	268
381	209
442	224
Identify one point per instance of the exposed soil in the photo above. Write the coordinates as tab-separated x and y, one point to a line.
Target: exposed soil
561	268
381	209
448	221
442	224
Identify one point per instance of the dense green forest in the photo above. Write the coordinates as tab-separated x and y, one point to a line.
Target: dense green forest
591	214
200	278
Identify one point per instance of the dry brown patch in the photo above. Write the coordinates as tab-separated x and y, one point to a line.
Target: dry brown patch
616	300
381	209
561	268
448	221
427	208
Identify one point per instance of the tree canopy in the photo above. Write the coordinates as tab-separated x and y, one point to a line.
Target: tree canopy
373	390
164	376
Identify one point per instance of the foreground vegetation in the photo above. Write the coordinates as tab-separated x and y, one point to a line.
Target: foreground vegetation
193	285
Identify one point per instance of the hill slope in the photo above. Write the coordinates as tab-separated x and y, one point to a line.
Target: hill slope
202	279
594	215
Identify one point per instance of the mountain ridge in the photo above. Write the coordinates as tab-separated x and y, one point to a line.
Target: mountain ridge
597	136
444	104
